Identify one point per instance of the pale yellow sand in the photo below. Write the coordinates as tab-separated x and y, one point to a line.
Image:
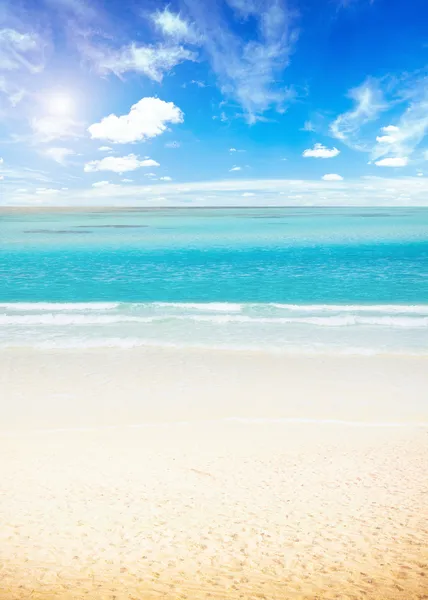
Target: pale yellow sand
210	509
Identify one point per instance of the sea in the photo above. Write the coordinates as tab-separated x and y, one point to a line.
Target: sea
288	280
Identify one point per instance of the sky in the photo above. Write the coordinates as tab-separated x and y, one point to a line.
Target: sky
213	102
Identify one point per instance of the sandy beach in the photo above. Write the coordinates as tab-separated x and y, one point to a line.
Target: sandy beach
172	474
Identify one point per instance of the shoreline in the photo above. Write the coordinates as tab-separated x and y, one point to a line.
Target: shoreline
72	388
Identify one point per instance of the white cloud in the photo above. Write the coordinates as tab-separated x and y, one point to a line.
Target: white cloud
407	93
99	184
232	150
47	129
320	151
412	125
59	155
248	194
369	103
46	191
146	119
166	178
21	51
119	164
235	169
152	61
382	191
127	180
172	145
332	177
396	161
105	149
172	25
385	139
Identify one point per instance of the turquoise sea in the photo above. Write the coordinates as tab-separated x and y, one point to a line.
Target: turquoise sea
335	280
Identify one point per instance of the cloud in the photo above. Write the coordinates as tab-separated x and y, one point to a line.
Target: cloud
369	102
332	177
308	126
47	129
173	26
412	125
320	151
249	67
127	180
105	149
59	155
248	194
152	61
385	139
373	191
172	145
232	150
407	95
235	169
99	184
146	119
21	50
119	164
166	178
395	161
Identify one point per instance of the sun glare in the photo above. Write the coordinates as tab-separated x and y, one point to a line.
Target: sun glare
60	103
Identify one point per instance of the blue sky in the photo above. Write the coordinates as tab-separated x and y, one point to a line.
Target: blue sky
214	102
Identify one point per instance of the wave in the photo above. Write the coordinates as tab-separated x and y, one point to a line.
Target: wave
58	306
222	307
332	321
232	307
391	308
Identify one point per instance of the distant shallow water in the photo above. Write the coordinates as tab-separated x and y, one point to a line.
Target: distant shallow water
331	280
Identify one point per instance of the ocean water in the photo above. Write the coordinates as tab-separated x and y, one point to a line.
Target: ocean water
324	280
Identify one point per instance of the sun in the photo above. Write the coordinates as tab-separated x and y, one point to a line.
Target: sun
60	103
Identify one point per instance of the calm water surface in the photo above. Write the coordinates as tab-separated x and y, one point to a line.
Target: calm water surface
310	280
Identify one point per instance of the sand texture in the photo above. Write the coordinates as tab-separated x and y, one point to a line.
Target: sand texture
210	509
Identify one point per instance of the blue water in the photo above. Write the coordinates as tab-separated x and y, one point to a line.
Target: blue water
302	279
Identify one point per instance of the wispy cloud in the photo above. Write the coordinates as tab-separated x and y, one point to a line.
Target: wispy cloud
147	118
308	126
152	61
174	26
369	102
376	191
21	50
248	69
235	169
406	97
59	155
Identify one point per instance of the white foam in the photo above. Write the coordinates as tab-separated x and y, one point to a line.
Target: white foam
57	306
61	319
385	308
203	306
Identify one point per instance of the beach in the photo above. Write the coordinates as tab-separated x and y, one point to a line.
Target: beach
188	474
